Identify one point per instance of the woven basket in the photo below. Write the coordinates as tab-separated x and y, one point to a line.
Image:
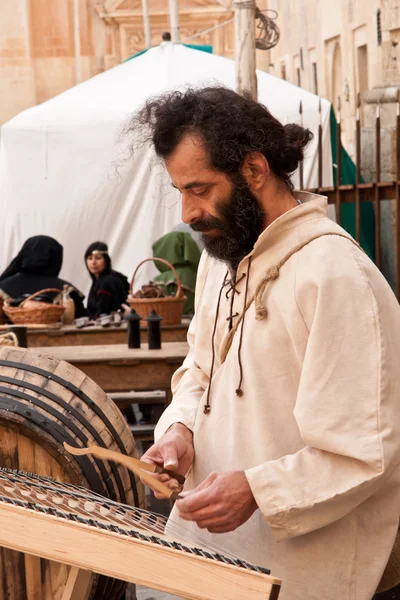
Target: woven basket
36	312
169	308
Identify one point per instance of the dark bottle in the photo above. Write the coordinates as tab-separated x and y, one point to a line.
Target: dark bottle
154	330
133	328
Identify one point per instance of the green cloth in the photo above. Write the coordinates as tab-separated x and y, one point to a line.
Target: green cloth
179	249
201	47
349	209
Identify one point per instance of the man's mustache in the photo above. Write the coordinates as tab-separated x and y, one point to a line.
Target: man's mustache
202	226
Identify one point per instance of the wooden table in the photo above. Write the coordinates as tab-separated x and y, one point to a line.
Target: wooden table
115	368
69	335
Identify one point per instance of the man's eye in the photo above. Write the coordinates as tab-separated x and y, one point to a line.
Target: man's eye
202	192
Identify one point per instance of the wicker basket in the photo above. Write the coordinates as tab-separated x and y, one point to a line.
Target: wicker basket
36	312
169	308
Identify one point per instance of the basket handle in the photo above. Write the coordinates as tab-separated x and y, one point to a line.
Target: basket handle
38	294
179	293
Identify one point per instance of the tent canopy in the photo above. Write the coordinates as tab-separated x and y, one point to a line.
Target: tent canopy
57	159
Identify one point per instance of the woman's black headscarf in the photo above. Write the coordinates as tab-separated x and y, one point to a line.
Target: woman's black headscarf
40	254
36	267
110	290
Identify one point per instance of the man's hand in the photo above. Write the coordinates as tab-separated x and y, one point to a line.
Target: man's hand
221	503
174	451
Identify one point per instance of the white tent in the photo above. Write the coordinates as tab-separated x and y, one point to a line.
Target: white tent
56	159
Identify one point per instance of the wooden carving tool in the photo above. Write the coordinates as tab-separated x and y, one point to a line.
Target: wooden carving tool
150	467
133	464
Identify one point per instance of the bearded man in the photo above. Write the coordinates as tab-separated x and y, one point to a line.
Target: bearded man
286	412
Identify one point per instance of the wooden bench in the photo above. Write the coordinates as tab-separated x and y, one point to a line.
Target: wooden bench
115	368
69	335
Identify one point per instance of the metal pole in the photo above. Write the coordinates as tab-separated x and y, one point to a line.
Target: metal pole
77	41
378	178
146	23
320	149
301	167
358	168
174	20
339	163
245	46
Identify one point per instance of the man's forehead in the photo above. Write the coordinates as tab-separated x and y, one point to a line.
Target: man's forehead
188	158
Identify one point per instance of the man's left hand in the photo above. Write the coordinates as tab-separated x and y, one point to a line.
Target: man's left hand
221	503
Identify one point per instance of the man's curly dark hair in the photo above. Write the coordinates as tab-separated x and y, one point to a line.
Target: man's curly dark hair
230	126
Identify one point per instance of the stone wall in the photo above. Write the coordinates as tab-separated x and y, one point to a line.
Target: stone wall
339	43
37	48
17	77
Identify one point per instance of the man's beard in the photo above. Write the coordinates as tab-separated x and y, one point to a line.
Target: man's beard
240	222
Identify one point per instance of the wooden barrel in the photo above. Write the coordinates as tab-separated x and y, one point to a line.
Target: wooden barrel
44	402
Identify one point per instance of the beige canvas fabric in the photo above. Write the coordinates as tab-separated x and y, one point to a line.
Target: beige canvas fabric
317	429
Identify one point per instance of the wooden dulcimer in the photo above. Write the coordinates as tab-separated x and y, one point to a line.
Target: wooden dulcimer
77	527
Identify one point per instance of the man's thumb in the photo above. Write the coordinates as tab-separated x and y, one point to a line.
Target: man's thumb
171	460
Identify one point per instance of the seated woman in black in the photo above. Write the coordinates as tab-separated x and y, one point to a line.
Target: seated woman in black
36	267
109	288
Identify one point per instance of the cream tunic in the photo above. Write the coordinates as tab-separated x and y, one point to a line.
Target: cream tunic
317	427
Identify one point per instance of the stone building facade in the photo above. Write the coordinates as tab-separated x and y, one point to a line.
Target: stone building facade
339	49
330	47
342	48
37	41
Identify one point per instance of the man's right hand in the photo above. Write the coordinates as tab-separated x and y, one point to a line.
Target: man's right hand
174	451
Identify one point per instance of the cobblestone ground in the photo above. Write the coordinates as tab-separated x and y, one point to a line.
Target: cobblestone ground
145	594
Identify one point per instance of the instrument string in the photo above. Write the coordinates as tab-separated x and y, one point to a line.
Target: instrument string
93	506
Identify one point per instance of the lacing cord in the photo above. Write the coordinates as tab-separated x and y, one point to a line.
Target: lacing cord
260	309
207	406
271	275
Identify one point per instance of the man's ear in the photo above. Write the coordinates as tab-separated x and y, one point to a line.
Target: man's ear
255	170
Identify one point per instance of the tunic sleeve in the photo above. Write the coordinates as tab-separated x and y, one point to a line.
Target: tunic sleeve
189	382
347	402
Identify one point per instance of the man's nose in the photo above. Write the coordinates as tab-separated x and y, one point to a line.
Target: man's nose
190	211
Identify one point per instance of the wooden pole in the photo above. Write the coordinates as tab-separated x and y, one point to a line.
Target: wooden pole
78	584
245	46
146	23
77	43
174	20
